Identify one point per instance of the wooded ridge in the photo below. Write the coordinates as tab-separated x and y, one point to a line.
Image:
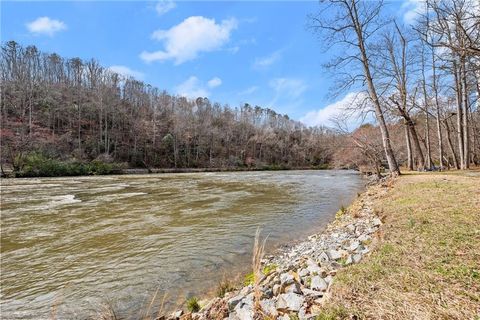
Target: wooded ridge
421	82
74	109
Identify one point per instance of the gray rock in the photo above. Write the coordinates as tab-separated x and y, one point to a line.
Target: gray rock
323	257
267	293
313	267
303	273
268	306
286	278
356	258
311	293
244	313
360	248
293	287
318	284
353	246
334	254
248	299
233	302
376	222
364	237
290	302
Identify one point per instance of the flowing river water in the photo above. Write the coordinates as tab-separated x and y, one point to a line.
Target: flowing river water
73	244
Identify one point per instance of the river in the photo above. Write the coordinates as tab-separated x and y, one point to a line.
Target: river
76	243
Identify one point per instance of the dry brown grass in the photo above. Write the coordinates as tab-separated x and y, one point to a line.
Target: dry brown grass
427	264
258	253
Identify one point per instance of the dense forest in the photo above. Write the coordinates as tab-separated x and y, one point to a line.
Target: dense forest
421	82
74	109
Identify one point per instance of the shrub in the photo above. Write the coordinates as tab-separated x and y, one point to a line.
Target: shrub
38	165
224	287
192	304
249	278
269	268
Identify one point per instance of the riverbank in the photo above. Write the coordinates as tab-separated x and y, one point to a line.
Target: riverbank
50	168
404	249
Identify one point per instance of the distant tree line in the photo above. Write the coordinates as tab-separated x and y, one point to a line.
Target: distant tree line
76	110
421	81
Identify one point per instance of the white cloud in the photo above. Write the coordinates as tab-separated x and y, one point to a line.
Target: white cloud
127	72
192	88
343	109
288	87
45	25
163	6
192	36
214	82
261	63
412	10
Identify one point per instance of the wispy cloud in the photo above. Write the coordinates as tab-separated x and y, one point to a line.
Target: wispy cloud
288	94
46	25
264	62
340	110
288	87
248	91
127	72
412	9
214	82
194	88
192	36
163	6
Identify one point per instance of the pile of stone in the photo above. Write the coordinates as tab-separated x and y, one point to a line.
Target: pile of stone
303	274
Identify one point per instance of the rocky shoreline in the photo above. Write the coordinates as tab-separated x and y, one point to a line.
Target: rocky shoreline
297	281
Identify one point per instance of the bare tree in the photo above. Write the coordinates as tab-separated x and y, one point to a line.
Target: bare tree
352	25
394	65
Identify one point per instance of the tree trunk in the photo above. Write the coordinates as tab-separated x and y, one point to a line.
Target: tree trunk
79	130
428	160
450	144
437	107
392	162
466	138
458	90
409	148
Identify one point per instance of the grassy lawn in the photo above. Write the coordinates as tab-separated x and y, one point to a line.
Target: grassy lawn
426	262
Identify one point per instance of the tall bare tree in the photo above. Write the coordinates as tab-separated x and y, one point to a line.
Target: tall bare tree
353	24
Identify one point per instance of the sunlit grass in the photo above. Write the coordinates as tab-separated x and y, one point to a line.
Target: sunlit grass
427	264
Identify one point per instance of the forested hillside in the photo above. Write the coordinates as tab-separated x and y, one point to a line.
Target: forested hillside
420	81
73	109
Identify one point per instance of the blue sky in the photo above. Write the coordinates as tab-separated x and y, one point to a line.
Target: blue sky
259	52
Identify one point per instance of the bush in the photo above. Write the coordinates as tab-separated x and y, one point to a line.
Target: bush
249	279
38	165
224	287
192	304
